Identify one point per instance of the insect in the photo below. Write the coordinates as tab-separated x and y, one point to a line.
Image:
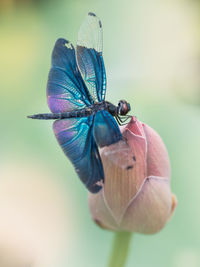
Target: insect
76	90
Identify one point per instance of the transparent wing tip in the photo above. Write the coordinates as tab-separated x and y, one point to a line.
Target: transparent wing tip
91	33
91	14
94	15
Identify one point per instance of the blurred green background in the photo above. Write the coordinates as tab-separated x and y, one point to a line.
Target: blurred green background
152	59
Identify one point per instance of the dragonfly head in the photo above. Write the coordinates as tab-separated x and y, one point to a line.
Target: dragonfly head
123	107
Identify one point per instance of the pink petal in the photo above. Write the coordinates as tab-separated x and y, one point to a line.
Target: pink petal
157	156
151	208
136	194
125	170
101	214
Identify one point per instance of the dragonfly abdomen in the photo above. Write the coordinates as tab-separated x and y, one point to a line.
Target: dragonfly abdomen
64	115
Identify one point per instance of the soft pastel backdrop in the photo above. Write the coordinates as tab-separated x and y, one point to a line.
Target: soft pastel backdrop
152	58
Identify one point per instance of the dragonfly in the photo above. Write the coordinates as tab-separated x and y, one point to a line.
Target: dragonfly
76	88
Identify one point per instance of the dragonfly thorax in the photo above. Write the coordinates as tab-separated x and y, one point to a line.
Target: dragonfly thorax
122	109
112	109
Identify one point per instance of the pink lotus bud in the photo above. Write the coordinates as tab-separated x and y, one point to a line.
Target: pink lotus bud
136	195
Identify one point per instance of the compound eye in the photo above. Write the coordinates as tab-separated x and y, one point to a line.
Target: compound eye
124	107
120	107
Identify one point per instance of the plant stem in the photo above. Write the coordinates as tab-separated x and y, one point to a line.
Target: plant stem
120	249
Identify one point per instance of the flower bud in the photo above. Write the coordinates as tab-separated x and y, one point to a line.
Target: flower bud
136	195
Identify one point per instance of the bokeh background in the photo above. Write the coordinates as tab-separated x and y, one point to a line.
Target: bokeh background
152	58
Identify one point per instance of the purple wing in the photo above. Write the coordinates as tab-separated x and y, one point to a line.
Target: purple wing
66	89
75	136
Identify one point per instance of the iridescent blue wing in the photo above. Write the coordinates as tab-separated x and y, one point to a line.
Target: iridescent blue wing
66	89
106	130
75	136
89	57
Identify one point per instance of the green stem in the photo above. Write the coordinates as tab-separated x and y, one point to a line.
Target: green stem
120	249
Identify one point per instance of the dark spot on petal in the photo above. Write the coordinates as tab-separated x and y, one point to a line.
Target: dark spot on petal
91	14
100	24
134	158
125	139
129	167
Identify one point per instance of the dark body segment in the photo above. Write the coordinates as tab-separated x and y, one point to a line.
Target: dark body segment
79	113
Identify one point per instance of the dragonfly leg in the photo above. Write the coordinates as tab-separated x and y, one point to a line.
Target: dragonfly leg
123	120
118	121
